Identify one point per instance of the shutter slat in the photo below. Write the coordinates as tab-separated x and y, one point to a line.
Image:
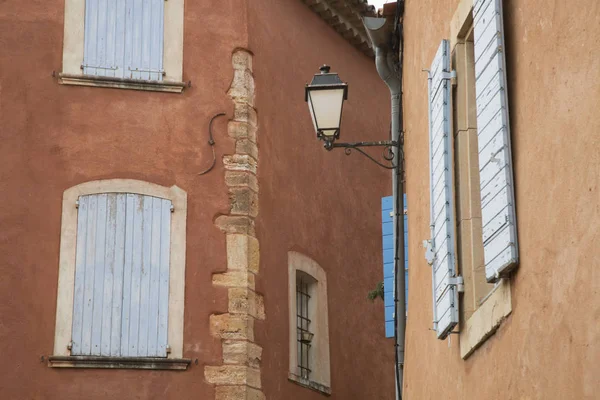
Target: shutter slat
90	37
88	298
127	273
495	158
136	276
118	276
110	259
445	301
98	268
165	262
79	289
144	304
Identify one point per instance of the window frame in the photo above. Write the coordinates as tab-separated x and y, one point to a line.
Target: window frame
66	276
320	377
73	52
483	306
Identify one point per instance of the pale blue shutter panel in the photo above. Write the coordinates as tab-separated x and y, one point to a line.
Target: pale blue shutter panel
120	305
495	159
389	287
445	297
387	226
124	38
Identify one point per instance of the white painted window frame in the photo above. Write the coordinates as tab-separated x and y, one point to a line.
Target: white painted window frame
320	379
73	51
68	239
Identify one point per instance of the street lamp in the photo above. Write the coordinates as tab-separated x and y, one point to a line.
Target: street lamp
325	96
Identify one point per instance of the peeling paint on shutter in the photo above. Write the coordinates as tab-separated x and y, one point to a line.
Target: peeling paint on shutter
495	159
445	297
124	39
121	296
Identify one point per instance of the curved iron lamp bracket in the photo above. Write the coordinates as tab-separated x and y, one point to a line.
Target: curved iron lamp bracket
390	149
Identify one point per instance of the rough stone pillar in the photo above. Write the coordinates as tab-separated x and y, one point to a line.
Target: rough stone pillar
239	375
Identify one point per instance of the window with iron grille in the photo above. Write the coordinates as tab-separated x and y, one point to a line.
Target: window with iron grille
304	334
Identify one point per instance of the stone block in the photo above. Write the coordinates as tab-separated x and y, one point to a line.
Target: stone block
245	146
242	253
244	201
232	375
242	59
235	224
241	130
242	86
242	353
239	178
244	112
228	326
240	162
234	279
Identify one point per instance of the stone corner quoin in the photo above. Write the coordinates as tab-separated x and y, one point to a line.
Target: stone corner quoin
238	377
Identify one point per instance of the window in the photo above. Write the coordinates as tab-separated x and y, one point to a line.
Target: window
121	272
136	44
309	326
481	184
305	285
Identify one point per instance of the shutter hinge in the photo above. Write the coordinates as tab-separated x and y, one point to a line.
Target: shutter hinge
451	76
70	345
459	282
168	349
429	253
172	208
76	203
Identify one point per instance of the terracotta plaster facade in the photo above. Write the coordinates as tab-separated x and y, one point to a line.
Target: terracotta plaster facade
545	341
273	190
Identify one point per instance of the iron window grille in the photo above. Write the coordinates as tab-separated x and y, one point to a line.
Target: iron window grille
303	325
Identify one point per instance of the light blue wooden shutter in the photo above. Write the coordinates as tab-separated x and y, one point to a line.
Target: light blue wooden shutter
124	38
445	297
389	287
495	159
387	219
121	296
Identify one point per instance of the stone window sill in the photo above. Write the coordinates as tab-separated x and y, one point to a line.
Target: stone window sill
174	364
119	83
486	319
317	387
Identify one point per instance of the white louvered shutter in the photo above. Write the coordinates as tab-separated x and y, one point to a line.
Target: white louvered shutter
445	297
124	39
121	296
495	160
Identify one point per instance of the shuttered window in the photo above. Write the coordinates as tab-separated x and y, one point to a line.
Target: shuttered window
120	305
124	39
445	296
389	287
495	159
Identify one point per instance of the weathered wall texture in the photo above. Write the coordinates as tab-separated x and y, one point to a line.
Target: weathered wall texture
324	205
549	347
53	137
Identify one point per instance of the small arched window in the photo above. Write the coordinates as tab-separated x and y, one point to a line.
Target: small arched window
308	324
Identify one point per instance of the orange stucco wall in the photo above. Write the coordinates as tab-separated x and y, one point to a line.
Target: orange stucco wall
549	347
325	205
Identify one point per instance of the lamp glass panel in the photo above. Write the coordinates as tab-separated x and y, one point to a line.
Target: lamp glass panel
326	109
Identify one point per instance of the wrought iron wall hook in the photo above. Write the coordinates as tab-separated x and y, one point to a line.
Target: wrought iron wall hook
390	151
211	142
